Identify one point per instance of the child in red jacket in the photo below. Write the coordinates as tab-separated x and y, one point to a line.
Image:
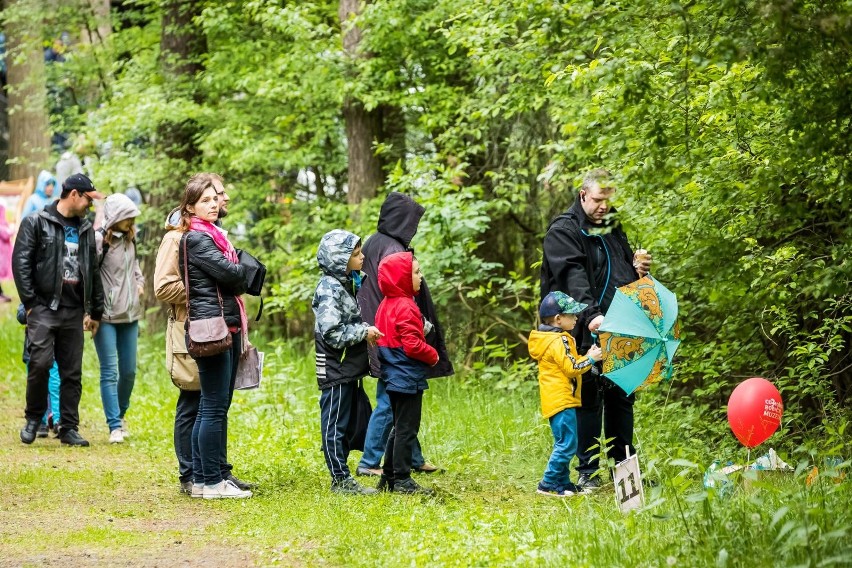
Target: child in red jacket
405	359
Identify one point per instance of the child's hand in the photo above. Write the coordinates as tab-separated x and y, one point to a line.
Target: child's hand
595	353
373	335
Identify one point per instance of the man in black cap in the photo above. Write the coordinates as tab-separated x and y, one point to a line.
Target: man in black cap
55	267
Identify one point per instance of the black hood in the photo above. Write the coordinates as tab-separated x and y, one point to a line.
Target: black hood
399	217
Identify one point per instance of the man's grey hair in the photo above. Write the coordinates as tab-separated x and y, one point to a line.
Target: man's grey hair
595	177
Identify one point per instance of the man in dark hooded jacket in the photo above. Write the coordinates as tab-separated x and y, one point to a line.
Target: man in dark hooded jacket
587	256
398	220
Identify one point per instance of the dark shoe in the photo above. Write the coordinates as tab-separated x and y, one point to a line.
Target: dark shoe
385	483
30	431
186	487
589	482
556	490
368	471
42	430
410	487
244	485
427	468
73	438
348	486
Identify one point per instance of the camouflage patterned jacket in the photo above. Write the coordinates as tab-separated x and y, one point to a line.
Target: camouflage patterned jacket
339	332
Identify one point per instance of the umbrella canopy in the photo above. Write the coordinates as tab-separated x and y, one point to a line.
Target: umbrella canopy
640	334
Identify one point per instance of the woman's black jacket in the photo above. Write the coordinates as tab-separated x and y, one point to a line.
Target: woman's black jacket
209	269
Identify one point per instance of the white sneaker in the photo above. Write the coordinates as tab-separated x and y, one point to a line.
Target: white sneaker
225	490
116	436
124	429
197	490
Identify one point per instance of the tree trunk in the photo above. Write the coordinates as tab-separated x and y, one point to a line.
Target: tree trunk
363	127
29	136
183	45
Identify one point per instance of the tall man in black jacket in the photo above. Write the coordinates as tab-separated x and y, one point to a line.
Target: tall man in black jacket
587	256
55	265
398	221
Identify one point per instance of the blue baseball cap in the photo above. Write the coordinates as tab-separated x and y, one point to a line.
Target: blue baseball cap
557	303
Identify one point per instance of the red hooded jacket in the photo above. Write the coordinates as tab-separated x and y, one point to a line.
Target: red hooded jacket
404	354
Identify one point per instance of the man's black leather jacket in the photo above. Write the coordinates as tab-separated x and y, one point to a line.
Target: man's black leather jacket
38	260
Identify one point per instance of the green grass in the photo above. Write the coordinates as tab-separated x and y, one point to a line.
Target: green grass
119	505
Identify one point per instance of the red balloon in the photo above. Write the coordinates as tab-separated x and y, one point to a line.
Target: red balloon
754	411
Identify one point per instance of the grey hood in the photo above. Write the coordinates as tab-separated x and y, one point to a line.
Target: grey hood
118	207
334	251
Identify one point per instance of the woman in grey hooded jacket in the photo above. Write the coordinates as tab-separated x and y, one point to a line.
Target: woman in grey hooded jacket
117	336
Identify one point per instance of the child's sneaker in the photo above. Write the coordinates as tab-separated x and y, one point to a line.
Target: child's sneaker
558	491
411	487
348	486
385	484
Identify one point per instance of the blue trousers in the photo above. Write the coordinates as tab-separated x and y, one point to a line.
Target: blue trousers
52	395
116	347
564	427
378	430
210	433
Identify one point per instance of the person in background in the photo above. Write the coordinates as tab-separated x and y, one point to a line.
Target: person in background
6	234
586	255
42	196
560	382
169	288
398	221
55	268
405	358
123	286
215	281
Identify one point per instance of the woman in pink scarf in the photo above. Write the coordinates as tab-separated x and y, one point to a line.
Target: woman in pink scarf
215	281
6	234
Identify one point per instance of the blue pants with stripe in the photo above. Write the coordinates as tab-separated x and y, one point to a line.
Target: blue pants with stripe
335	408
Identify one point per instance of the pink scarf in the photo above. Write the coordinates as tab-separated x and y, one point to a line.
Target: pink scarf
224	245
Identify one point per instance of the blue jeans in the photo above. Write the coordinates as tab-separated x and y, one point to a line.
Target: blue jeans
210	433
378	430
116	347
564	427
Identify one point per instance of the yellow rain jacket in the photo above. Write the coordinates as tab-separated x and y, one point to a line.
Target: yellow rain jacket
560	370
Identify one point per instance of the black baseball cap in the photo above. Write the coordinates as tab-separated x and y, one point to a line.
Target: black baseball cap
81	184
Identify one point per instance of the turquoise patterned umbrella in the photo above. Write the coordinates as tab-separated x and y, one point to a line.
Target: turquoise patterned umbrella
640	335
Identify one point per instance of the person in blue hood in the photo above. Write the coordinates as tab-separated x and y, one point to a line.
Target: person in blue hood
42	196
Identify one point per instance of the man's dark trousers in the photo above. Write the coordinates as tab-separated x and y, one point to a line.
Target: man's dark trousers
55	334
186	412
603	403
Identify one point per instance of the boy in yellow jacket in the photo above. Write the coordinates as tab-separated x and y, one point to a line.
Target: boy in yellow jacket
560	370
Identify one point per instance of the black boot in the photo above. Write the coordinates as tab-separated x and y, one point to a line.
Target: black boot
30	430
72	438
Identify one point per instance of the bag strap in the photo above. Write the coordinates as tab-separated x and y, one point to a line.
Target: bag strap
186	283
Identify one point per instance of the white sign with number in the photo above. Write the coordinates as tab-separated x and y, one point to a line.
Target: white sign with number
628	484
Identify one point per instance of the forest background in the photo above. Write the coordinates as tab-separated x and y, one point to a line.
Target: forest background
728	125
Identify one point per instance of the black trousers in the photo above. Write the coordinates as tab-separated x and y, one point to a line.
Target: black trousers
55	335
186	412
335	410
604	404
407	409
